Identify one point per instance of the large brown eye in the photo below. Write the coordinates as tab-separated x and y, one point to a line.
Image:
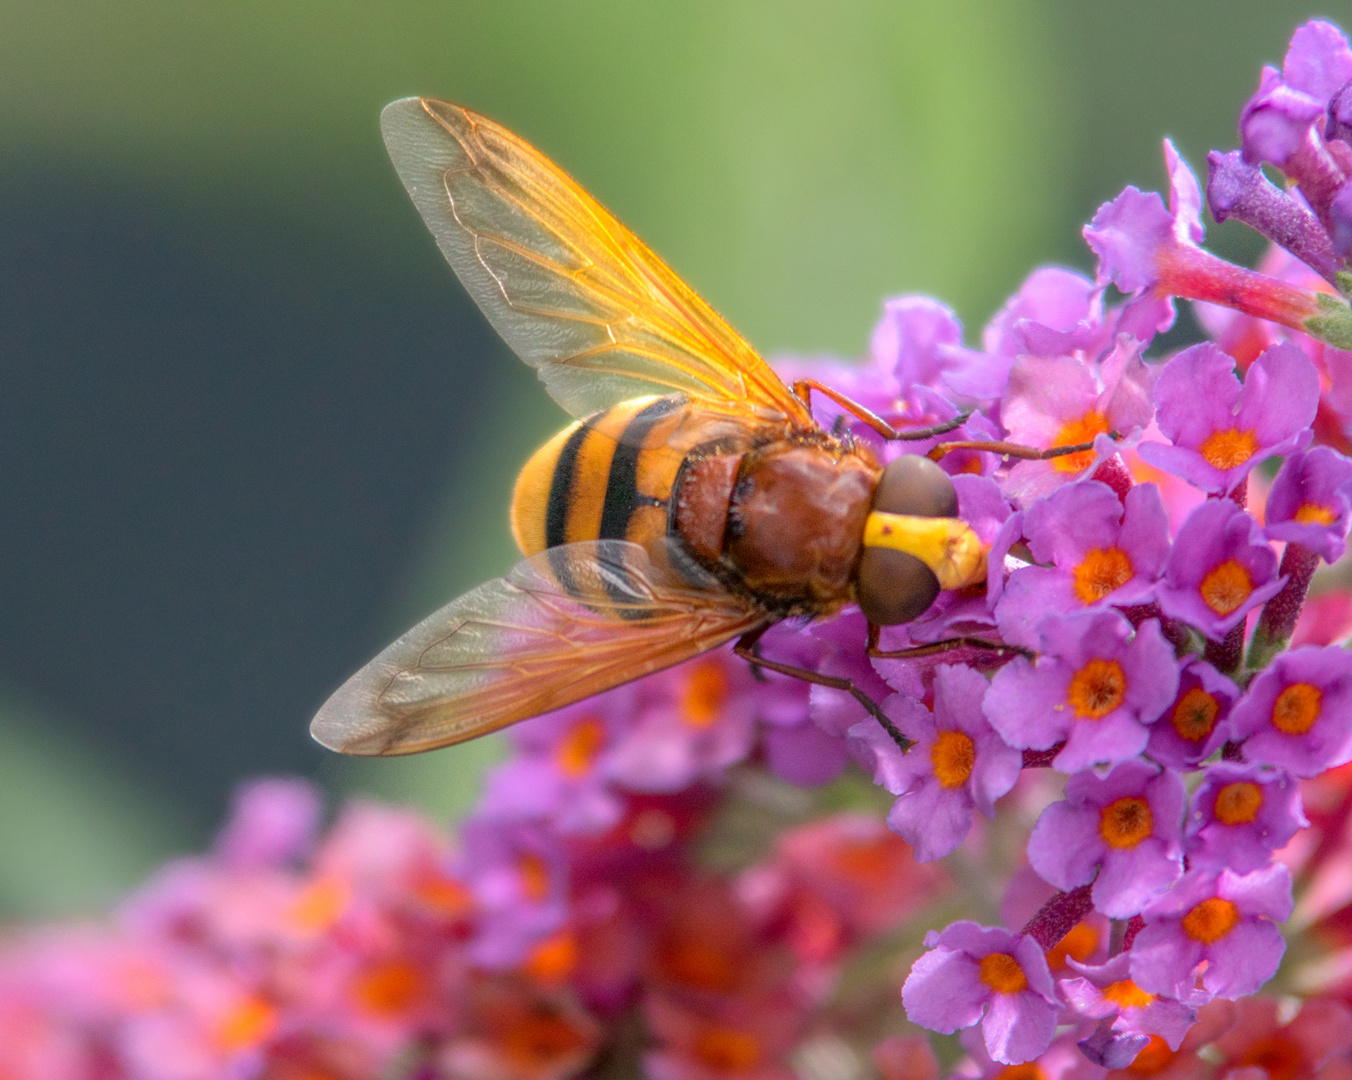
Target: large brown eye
893	586
915	485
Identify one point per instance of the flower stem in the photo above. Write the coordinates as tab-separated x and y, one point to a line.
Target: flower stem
1058	916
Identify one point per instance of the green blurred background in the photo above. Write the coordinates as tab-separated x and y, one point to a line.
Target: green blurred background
250	428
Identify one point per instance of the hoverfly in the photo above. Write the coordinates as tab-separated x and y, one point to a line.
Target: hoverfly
694	500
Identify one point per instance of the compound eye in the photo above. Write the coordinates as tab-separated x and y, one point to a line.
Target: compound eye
915	485
893	586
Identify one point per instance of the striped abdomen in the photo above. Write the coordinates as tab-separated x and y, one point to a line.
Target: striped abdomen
611	476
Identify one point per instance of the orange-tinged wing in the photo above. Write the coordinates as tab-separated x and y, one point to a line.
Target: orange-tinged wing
563	625
569	288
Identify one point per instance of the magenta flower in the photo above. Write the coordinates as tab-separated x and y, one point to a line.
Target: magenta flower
559	772
1123	832
1240	815
974	974
272	822
1279	119
956	764
1219	570
918	342
1062	401
1297	714
1106	990
1100	554
518	875
1196	724
1219	429
1222	918
1310	500
1096	686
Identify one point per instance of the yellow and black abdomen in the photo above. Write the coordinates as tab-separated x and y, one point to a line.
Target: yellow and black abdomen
608	477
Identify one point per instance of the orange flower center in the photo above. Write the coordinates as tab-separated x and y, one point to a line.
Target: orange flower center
1029	1070
1314	514
1195	715
699	964
540	1039
320	904
1001	972
953	756
706	689
1102	571
1127	995
1081	430
1211	920
554	959
1296	708
1226	587
1125	822
1228	449
727	1050
1280	1056
579	747
534	876
1238	804
391	989
1097	689
1079	944
246	1024
1154	1056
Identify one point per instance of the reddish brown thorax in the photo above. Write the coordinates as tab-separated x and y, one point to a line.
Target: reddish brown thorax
788	518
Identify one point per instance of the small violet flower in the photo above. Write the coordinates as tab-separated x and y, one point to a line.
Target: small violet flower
1196	725
1101	553
957	762
1225	919
1106	990
1240	815
1297	714
1219	570
973	970
1123	832
1096	686
1219	429
1310	500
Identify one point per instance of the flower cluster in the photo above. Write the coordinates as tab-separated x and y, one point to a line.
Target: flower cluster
1149	702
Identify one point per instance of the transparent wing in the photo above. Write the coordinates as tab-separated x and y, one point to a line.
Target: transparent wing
562	625
569	288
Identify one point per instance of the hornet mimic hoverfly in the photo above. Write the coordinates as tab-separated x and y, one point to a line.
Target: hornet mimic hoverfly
694	499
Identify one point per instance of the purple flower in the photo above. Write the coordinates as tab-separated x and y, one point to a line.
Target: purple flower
1297	714
1222	918
559	772
1309	502
1219	429
1096	686
1197	724
272	821
1134	234
1219	570
957	762
1061	401
918	341
973	970
1240	815
1106	990
1123	832
517	873
1100	555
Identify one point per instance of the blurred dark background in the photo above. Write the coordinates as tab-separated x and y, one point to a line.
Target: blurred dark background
251	428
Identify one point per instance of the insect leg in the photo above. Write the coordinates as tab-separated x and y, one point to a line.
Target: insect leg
746	649
1016	450
915	652
803	391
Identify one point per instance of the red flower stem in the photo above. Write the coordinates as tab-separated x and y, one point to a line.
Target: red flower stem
1278	620
1042	759
1195	274
1225	655
1058	916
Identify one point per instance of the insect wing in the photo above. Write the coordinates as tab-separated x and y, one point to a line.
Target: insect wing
569	288
562	625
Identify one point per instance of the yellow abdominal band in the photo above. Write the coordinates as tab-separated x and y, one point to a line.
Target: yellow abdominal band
948	546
